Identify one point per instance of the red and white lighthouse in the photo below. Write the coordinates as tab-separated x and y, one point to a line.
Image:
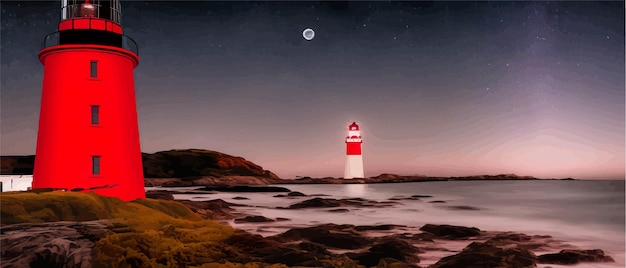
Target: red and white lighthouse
88	134
354	159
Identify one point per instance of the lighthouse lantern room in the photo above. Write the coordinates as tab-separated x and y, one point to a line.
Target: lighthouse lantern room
88	137
354	159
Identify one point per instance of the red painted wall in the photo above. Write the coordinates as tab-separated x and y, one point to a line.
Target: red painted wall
67	139
353	148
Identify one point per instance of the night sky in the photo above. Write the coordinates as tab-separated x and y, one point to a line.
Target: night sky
439	88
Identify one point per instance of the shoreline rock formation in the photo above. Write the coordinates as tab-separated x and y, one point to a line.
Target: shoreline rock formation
53	229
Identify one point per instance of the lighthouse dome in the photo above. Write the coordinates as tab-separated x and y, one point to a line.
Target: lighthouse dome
353	126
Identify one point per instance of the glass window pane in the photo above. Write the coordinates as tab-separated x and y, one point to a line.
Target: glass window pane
94	69
95	114
95	164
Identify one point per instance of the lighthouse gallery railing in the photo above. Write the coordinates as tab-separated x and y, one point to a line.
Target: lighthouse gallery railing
54	39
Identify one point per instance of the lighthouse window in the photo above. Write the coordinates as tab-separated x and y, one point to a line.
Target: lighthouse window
94	69
95	164
95	114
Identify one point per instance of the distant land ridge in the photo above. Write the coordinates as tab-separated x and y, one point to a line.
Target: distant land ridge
191	167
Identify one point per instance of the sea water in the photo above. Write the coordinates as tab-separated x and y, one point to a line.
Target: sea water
587	214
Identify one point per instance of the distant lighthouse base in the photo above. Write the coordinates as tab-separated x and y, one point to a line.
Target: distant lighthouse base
354	167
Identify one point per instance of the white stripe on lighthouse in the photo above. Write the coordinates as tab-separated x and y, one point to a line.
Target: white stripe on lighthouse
354	167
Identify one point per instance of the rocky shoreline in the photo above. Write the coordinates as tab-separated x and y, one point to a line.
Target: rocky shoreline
81	243
385	245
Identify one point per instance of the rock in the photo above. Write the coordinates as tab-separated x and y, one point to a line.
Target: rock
165	195
395	249
571	256
383	227
322	235
330	202
280	195
339	210
397	198
52	244
296	194
511	239
246	189
485	255
177	183
240	198
437	201
462	208
317	203
197	163
253	219
217	209
451	231
421	196
314	248
282	219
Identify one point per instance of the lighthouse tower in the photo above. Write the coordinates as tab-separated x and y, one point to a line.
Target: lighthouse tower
88	136
354	159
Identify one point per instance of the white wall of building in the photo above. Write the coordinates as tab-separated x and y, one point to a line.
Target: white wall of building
16	182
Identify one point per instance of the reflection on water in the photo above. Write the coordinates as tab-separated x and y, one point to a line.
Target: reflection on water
356	190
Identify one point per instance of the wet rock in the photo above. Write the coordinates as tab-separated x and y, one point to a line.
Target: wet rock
282	219
246	189
253	219
437	201
314	248
217	209
421	196
383	227
317	203
330	202
322	235
296	194
241	198
462	208
179	183
485	256
451	231
519	240
397	198
394	249
570	256
339	210
161	194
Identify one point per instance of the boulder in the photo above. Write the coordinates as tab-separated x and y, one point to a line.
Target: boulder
322	235
245	189
391	248
383	227
253	219
485	255
571	256
317	203
451	231
165	195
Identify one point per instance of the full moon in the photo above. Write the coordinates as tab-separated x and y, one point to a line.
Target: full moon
308	34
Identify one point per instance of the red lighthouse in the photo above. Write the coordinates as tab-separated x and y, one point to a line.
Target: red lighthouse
88	135
354	159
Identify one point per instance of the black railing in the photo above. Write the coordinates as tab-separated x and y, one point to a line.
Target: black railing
126	42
